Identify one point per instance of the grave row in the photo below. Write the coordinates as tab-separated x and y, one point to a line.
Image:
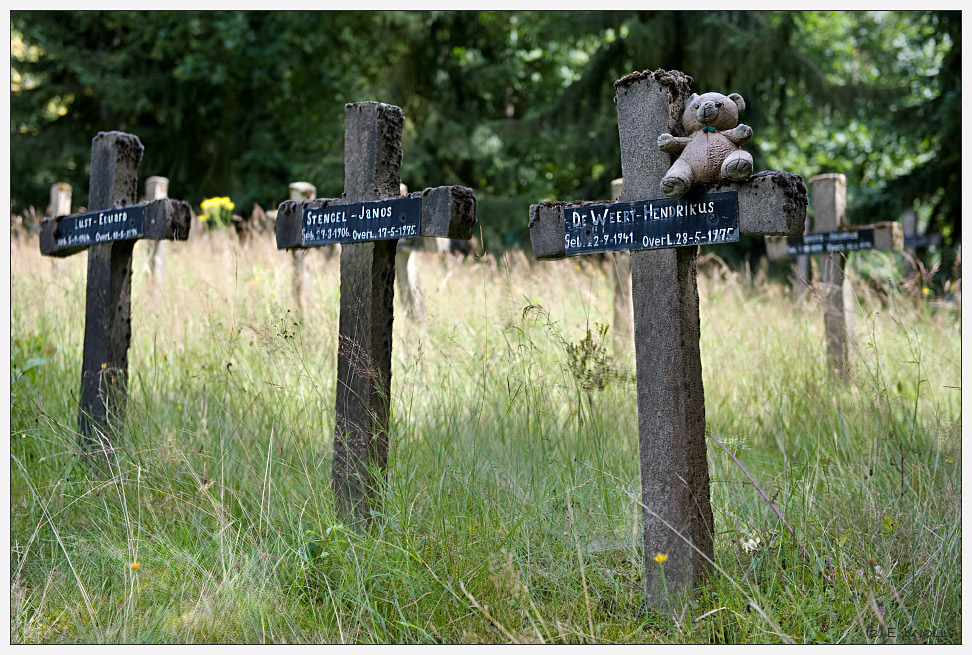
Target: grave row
663	236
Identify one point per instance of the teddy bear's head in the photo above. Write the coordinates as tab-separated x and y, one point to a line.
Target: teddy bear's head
712	110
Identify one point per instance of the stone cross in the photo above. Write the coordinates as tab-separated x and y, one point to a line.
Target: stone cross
156	187
619	270
831	238
912	241
368	220
910	226
407	277
300	191
677	516
60	199
801	267
108	230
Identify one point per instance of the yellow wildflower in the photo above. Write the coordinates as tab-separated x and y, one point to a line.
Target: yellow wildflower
217	210
661	557
217	203
135	566
104	365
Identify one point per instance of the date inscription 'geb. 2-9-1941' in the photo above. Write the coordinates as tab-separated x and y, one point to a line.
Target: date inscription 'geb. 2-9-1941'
647	224
376	220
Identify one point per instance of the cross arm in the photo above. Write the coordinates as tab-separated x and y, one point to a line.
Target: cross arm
164	219
289	225
167	219
547	227
771	202
447	211
888	235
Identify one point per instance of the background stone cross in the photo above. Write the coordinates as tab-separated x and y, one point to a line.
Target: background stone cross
671	408
109	237
372	171
829	195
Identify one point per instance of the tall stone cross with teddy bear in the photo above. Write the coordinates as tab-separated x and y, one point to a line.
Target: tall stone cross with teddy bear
711	196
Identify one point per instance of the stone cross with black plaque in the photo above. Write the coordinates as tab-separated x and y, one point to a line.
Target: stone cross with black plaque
664	235
913	241
368	220
830	238
108	231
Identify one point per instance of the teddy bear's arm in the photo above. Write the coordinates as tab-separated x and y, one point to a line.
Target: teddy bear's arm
672	145
740	134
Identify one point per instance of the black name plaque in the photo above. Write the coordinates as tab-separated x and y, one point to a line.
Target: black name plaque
829	242
376	220
648	224
924	241
100	226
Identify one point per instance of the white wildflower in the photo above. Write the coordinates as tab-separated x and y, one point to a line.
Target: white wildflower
877	570
749	545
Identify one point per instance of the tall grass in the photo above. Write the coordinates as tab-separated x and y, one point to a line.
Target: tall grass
512	509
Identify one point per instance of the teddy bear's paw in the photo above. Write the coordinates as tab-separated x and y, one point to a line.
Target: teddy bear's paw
743	132
674	186
739	169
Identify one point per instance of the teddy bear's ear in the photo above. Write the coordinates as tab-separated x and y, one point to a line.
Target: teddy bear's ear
738	99
691	100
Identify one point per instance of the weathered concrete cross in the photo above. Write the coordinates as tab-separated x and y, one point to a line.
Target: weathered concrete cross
671	408
913	241
368	220
830	238
618	268
60	199
156	187
300	191
108	230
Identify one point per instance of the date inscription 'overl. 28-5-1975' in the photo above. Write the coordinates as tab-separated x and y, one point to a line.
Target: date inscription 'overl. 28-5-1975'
647	224
100	226
376	220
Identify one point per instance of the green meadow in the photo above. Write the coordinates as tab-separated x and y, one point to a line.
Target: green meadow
512	507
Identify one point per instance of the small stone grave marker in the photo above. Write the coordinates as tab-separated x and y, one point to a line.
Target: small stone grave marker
300	191
156	187
407	277
618	265
831	237
60	199
108	231
663	236
368	220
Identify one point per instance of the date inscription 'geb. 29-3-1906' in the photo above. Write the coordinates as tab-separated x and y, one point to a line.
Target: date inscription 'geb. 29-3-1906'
376	220
647	224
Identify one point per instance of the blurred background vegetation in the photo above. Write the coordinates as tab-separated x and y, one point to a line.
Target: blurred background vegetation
517	105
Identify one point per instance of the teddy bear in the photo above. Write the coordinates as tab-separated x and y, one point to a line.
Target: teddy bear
711	151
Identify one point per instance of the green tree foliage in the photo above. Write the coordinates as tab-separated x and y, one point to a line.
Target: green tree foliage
226	103
518	105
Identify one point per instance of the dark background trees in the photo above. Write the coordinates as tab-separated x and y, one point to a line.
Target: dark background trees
517	105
